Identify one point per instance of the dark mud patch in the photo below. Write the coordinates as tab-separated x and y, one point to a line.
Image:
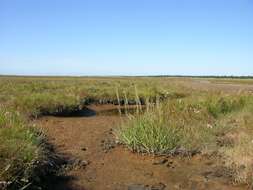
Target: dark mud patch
158	186
84	112
108	141
48	170
59	178
93	110
119	111
63	180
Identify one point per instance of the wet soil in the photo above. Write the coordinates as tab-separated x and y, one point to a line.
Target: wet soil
100	164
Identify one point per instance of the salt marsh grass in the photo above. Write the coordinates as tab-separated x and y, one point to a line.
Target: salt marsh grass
20	148
176	119
214	123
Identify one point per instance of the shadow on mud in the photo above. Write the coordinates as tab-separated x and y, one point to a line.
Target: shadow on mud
51	175
89	112
63	183
118	111
84	112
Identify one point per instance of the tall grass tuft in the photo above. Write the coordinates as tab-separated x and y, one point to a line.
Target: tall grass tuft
149	133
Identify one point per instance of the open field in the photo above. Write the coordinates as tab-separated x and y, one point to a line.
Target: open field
126	133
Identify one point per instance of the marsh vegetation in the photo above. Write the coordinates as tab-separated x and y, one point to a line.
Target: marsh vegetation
178	119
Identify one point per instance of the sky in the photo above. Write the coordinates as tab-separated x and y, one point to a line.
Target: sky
126	37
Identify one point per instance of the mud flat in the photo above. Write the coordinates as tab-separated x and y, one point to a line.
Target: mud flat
100	164
231	86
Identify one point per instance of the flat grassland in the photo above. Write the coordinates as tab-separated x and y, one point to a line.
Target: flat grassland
126	133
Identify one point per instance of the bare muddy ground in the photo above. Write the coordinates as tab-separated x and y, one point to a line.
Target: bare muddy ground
204	84
101	165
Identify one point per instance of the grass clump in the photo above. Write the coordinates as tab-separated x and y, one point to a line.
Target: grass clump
186	124
150	133
221	124
238	157
20	150
223	105
175	126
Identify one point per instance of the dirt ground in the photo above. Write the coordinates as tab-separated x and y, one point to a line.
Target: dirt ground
204	84
100	164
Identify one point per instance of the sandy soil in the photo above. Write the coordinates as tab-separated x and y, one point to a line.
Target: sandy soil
105	166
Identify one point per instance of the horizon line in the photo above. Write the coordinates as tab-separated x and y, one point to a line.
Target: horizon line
162	75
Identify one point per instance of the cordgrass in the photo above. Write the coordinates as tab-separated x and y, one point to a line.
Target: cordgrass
20	150
38	96
163	128
208	124
148	133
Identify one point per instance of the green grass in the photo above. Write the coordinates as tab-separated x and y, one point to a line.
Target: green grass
149	133
45	103
224	105
187	123
35	96
20	148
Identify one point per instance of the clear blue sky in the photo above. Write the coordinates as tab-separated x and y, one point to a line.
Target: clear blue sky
126	37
